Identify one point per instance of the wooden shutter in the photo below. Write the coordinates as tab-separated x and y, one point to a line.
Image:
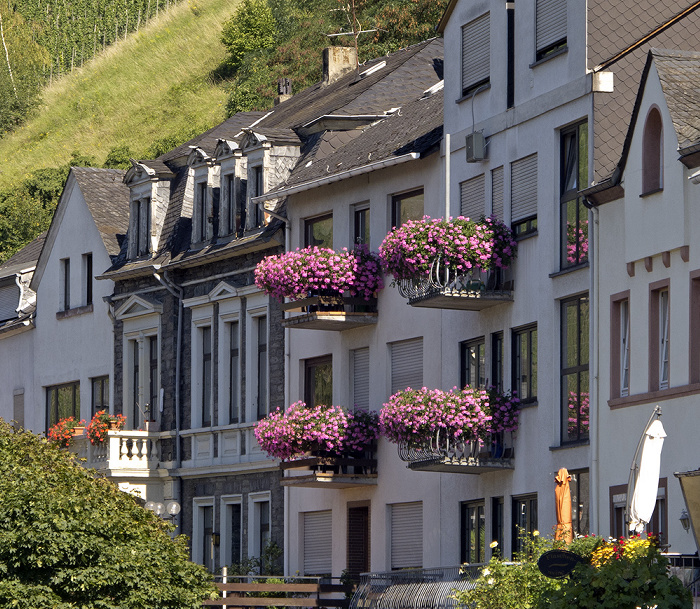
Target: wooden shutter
407	364
360	378
9	301
523	188
476	52
497	193
551	22
318	527
472	197
407	535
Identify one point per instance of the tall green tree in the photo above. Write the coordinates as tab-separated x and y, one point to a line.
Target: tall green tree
70	539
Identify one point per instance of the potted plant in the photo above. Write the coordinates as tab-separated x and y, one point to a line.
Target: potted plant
460	244
63	432
324	430
320	271
101	423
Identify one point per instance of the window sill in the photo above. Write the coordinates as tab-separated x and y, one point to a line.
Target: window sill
651	192
552	55
529	404
525	236
570	269
574	444
475	91
654	396
74	312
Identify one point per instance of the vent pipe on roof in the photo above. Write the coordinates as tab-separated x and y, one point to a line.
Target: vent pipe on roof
338	61
284	90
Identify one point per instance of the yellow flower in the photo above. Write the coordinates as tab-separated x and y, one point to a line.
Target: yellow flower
535	533
493	544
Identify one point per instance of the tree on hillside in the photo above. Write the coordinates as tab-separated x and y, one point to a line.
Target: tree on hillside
251	28
71	539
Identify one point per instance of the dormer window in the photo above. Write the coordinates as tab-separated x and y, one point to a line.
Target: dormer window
202	211
652	153
141	226
258	185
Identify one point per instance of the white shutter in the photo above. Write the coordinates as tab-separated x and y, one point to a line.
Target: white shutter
9	301
523	188
407	535
407	364
476	52
497	193
318	528
551	22
360	378
472	197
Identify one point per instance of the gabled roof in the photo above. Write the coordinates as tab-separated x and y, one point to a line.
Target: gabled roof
150	168
25	259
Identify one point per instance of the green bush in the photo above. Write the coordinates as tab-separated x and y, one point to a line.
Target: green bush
251	28
71	539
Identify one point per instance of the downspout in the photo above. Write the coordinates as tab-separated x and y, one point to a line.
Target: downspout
594	338
177	292
447	176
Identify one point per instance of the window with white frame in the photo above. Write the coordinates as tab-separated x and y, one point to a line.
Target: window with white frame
143	378
257	360
230	371
201	203
659	336
202	362
360	224
473	363
317	542
406	364
203	547
664	325
652	153
231	529
476	54
87	279
64	283
620	345
100	394
406	530
256	188
318	231
318	381
523	195
551	27
407	206
140	227
62	401
259	519
205	337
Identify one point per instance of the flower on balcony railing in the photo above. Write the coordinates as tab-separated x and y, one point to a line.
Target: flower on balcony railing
504	409
327	429
413	416
101	422
315	270
409	250
62	433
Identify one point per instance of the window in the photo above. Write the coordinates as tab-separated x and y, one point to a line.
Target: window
100	394
318	534
619	345
472	198
652	153
497	193
65	284
574	373
9	299
319	231
206	372
361	225
579	487
618	520
473	533
525	363
574	177
406	535
87	279
476	54
228	205
62	401
659	337
259	506
523	195
231	529
201	210
143	378
551	27
497	360
360	378
153	384
318	381
358	540
234	366
262	366
203	540
497	523
524	519
406	364
473	360
259	189
695	327
140	240
406	206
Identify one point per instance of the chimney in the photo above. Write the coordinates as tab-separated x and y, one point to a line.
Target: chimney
284	90
338	61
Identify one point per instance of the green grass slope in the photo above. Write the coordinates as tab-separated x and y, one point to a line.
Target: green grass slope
155	83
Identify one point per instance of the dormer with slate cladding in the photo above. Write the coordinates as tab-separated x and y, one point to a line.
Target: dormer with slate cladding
233	180
203	190
149	183
272	154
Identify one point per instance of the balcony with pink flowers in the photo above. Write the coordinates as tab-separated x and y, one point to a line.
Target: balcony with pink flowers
451	264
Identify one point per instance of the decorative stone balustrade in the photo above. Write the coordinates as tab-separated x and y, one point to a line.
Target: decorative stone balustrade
227	445
124	450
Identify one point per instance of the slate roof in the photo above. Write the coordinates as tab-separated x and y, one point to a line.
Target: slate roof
107	198
25	258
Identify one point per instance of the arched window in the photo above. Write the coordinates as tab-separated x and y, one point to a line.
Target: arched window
652	153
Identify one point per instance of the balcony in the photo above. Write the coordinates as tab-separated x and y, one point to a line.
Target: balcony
337	472
124	453
443	289
333	312
440	454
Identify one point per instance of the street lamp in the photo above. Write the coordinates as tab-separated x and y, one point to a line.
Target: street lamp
685	520
165	511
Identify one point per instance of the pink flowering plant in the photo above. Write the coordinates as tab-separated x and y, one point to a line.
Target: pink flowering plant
325	429
317	270
504	409
409	250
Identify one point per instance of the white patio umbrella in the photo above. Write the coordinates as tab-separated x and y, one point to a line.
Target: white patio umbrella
646	480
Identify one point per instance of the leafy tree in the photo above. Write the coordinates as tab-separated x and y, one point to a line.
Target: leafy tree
118	157
71	539
251	28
